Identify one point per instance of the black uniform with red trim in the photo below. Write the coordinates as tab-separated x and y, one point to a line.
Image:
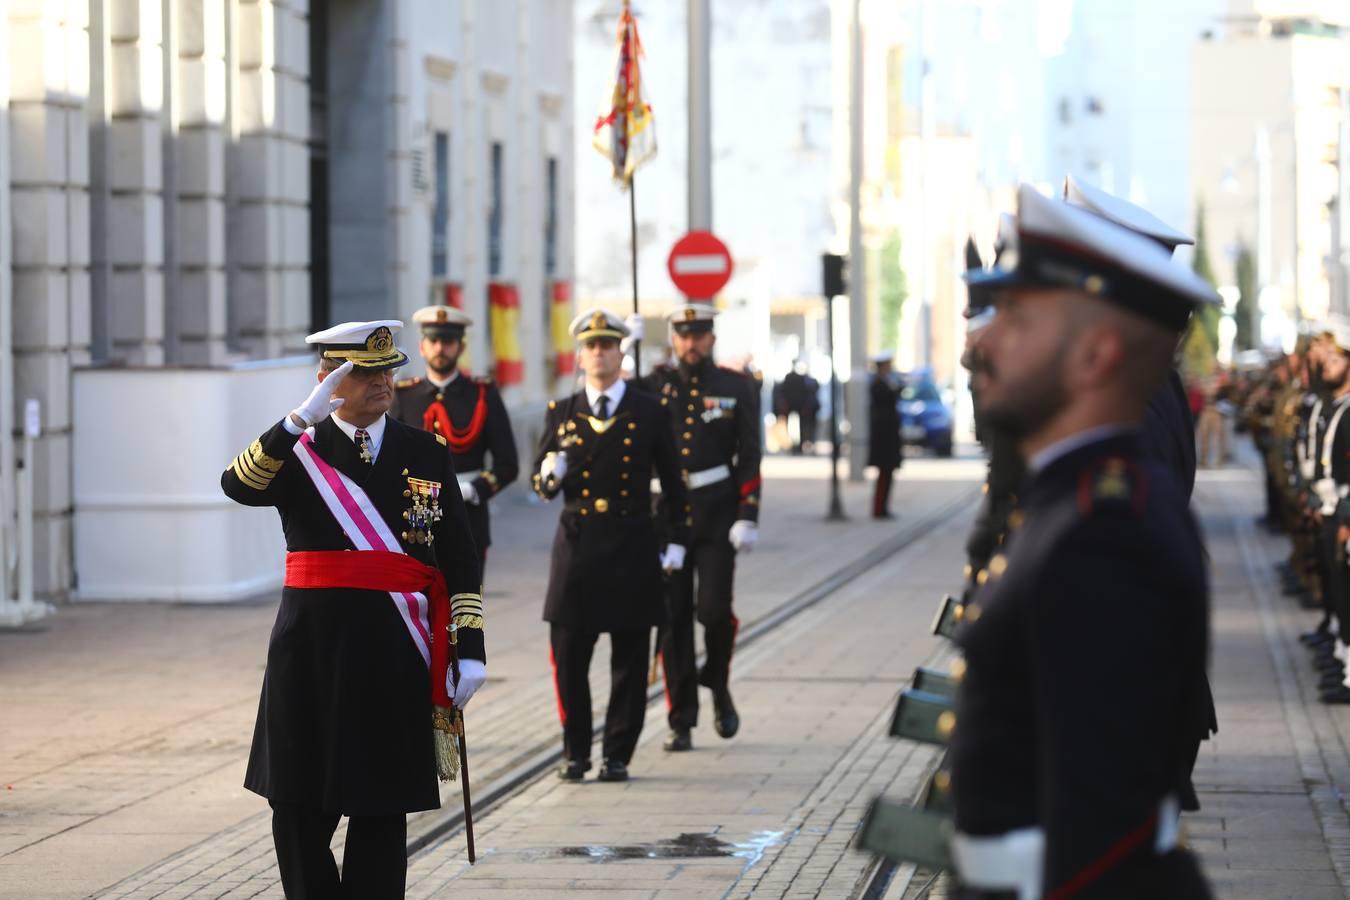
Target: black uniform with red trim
469	413
344	721
1083	652
605	572
715	413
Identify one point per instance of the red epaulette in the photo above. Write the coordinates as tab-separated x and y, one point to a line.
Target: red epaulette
409	382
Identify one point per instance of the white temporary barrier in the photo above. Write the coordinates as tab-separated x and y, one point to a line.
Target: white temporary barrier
151	522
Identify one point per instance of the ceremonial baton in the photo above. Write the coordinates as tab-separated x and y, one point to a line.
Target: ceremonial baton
463	748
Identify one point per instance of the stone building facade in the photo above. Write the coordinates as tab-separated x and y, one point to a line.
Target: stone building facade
188	187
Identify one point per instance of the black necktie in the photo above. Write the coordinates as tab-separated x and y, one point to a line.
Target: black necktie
602	407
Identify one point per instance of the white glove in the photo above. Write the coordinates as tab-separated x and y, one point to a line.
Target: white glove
635	333
468	492
472	674
744	535
673	558
320	403
553	466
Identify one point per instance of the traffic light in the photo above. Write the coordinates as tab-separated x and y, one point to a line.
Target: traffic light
832	270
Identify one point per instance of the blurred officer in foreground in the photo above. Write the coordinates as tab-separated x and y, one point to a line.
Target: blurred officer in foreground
714	415
884	449
468	412
1085	644
379	564
600	449
1168	435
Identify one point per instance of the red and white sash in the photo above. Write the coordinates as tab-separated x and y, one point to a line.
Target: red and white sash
367	530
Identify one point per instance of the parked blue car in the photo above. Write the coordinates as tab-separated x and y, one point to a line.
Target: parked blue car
925	419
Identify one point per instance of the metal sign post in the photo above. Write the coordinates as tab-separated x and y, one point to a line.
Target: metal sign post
832	269
24	609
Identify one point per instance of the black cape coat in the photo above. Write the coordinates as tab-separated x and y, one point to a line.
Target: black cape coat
344	720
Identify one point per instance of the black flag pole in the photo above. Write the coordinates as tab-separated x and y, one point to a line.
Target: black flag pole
633	234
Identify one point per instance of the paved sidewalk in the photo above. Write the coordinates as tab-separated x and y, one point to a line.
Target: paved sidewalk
125	728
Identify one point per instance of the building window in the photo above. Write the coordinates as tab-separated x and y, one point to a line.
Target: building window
495	215
440	213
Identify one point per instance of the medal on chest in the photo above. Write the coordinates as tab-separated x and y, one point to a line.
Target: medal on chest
425	509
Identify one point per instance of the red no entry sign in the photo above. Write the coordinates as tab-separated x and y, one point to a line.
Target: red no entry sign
700	265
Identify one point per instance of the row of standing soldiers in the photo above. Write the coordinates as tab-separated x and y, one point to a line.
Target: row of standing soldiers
1297	417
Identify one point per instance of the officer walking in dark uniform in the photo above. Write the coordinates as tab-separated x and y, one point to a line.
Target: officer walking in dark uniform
599	449
716	421
467	412
379	564
884	449
1084	646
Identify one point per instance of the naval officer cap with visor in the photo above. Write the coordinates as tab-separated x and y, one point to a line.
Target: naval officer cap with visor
1062	246
366	345
597	323
445	323
692	318
1123	213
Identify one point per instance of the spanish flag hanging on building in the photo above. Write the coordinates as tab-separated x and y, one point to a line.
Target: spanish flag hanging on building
504	323
625	131
564	345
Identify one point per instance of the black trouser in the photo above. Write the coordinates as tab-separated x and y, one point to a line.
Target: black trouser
571	650
374	861
1330	574
881	494
708	573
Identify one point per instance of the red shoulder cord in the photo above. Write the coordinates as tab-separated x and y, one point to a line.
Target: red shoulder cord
437	420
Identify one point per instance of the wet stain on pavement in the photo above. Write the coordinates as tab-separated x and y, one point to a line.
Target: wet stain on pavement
685	846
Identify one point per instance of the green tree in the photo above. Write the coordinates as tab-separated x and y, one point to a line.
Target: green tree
1197	353
1209	317
1248	310
892	290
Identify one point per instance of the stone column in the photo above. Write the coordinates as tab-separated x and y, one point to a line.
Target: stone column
402	297
201	181
272	173
135	238
48	68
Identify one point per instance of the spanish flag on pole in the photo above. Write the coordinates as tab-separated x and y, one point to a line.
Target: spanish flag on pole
625	131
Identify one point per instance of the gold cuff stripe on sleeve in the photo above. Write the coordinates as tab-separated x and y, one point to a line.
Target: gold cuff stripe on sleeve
469	622
260	475
248	476
263	461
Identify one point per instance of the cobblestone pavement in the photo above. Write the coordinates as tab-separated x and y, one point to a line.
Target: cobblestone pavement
124	728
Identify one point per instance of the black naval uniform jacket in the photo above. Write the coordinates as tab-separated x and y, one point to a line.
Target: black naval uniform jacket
714	414
605	573
884	449
1083	651
344	721
461	397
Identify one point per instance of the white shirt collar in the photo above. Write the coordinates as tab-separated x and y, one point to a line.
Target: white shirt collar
375	430
441	385
1047	455
614	392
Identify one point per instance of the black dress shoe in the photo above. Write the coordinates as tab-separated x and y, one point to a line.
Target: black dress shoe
1336	696
613	770
1318	636
574	770
725	719
1330	680
678	741
1328	663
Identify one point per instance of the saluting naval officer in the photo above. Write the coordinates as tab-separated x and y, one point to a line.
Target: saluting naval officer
1070	743
468	412
714	415
379	564
600	449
